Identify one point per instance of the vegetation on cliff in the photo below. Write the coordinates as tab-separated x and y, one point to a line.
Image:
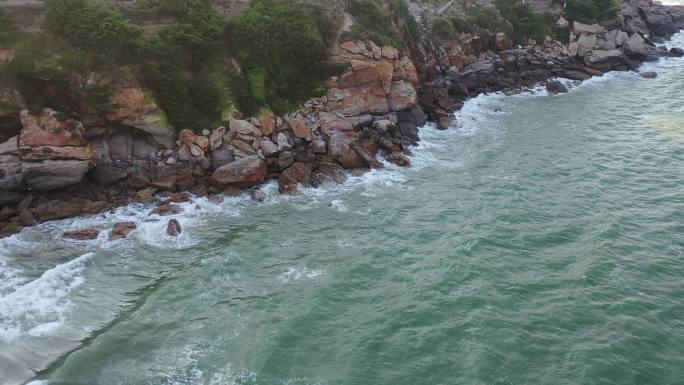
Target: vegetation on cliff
383	22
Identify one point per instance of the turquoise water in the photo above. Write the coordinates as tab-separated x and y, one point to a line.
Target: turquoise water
543	244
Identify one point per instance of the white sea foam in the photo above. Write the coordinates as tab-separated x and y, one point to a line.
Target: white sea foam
298	273
38	307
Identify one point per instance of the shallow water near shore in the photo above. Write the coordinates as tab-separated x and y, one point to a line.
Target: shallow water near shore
540	244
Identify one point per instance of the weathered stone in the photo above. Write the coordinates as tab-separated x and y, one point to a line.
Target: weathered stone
285	159
297	173
268	122
318	146
586	29
106	175
221	157
244	127
166	183
241	173
173	228
145	195
268	148
399	159
607	58
648	75
216	138
83	234
26	217
187	136
300	128
166	210
121	230
54	174
585	44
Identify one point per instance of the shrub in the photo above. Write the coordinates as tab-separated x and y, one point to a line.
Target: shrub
284	40
461	24
592	11
524	21
442	27
8	30
92	25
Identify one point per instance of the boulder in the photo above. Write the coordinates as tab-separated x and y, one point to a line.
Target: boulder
586	29
187	136
243	172
216	138
244	127
221	157
166	210
106	175
600	58
268	122
328	172
556	87
648	75
54	174
58	209
585	44
268	148
636	47
299	128
82	234
297	173
26	217
121	230
173	228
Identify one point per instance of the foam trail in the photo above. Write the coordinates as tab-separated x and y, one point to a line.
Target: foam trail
39	306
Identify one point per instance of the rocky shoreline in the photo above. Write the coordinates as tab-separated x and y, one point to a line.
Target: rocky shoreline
59	166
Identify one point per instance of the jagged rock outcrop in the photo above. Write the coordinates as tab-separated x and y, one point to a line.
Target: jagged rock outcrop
54	153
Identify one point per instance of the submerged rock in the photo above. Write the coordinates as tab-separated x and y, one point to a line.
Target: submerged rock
121	230
648	75
556	87
173	228
82	234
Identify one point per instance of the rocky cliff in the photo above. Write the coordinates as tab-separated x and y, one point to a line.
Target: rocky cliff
55	165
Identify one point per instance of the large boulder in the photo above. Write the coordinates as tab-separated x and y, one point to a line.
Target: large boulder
585	44
243	172
605	59
636	47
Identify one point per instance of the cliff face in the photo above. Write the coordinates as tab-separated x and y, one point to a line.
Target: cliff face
54	165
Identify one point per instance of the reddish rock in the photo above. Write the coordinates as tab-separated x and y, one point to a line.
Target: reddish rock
187	136
82	234
176	198
167	209
403	96
268	122
121	230
298	173
243	172
299	128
